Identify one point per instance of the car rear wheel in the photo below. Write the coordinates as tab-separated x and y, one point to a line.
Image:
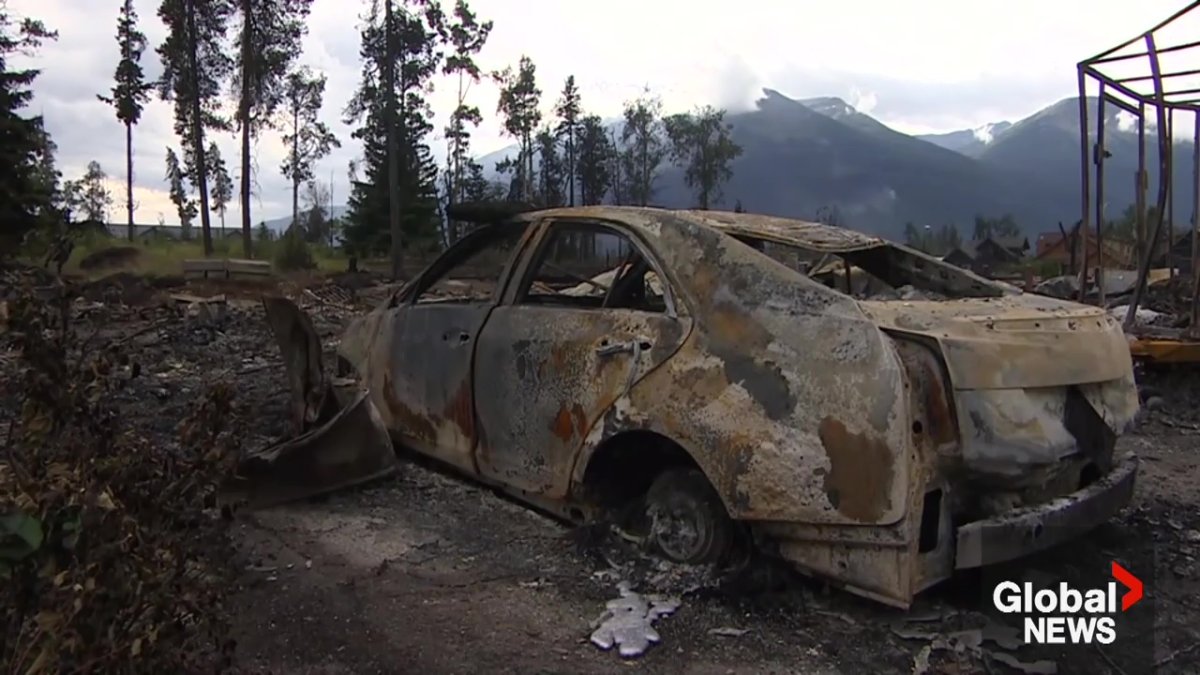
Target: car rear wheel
688	522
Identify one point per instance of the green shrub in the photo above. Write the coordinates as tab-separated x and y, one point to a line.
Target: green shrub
292	254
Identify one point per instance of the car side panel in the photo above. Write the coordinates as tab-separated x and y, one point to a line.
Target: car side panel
545	375
790	399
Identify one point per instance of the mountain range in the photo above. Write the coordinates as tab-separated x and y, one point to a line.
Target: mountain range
799	156
281	223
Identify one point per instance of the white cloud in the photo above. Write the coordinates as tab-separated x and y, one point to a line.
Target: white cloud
863	101
931	66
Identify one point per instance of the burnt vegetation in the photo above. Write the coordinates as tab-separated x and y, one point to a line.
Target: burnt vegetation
113	557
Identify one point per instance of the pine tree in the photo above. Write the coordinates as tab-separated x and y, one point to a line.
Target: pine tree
96	199
399	58
195	63
308	139
643	138
912	236
593	164
701	143
619	168
222	184
177	189
27	173
465	35
130	92
268	44
568	110
519	100
317	219
476	186
550	170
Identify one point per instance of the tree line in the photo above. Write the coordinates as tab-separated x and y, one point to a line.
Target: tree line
247	53
945	238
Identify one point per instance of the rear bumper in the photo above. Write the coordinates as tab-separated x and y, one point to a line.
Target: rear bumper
1028	530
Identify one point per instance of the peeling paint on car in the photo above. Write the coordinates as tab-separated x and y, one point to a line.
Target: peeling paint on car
822	420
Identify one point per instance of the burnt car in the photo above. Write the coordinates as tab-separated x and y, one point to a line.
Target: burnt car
870	413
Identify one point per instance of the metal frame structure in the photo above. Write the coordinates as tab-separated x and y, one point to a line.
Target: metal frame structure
1150	89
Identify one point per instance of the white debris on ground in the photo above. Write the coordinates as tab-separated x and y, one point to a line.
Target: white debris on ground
628	621
1143	316
964	649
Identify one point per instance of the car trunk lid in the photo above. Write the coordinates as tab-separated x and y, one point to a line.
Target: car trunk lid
1019	341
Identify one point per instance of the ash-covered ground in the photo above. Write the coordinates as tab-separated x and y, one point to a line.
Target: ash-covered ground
427	572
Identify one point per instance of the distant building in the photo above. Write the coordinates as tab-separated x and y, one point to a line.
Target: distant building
145	232
990	255
1181	254
1051	248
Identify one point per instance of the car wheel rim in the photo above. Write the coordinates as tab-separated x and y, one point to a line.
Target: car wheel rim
679	532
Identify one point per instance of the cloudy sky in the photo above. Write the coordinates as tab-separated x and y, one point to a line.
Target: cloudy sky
919	66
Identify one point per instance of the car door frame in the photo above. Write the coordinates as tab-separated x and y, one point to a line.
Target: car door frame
544	226
520	280
412	427
408	294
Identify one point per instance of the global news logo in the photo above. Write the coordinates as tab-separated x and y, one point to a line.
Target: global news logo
1068	615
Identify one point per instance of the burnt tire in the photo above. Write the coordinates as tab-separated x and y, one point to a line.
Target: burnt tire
688	523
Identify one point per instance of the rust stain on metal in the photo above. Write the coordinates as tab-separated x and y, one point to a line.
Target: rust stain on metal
405	418
563	424
860	475
570	422
581	421
460	410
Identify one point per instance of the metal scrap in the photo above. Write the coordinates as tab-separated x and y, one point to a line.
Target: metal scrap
628	621
968	644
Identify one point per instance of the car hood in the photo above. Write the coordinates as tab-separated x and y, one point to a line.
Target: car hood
1015	341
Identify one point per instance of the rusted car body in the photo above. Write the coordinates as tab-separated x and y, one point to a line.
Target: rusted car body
876	416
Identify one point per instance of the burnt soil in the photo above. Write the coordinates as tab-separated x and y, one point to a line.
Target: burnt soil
425	572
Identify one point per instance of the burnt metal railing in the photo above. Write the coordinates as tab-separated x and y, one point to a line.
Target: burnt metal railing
1157	91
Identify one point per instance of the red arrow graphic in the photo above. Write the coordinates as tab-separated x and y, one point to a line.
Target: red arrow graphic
1131	582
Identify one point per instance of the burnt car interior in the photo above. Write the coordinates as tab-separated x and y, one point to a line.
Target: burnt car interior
883	272
578	264
591	265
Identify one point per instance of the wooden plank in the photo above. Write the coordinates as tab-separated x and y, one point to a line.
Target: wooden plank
203	268
224	268
1165	351
251	268
204	265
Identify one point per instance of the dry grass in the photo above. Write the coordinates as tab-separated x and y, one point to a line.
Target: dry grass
164	257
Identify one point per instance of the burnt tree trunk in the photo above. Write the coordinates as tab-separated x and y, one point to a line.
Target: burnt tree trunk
393	163
244	114
295	166
129	176
198	132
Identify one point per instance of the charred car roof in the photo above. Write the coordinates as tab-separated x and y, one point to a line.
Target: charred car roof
814	236
874	253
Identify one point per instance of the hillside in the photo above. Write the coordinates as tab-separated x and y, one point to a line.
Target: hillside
1045	145
969	142
802	155
280	224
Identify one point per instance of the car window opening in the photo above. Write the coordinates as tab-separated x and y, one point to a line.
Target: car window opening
474	276
883	272
592	266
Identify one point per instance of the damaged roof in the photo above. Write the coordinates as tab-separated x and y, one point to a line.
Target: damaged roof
812	236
